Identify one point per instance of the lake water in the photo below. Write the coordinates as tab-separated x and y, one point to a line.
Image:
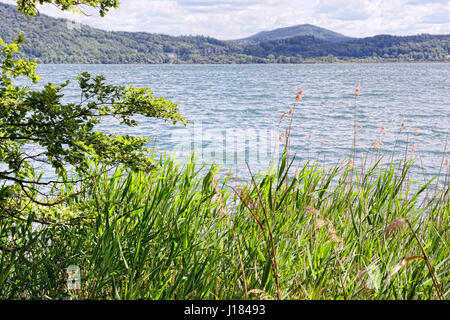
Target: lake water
235	109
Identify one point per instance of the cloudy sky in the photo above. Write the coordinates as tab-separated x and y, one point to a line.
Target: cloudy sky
233	19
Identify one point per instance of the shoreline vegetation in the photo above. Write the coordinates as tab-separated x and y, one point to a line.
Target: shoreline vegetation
269	63
318	61
229	59
184	231
177	234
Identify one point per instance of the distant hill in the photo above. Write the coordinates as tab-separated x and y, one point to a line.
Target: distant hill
382	47
51	40
299	30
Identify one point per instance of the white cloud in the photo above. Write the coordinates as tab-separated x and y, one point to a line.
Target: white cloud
421	2
232	19
438	17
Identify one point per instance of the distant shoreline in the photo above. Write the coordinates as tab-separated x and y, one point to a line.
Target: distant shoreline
256	63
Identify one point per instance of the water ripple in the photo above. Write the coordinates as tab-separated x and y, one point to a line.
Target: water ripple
244	103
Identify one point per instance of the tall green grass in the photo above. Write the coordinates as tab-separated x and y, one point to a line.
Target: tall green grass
182	232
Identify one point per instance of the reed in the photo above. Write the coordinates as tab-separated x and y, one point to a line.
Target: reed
164	235
186	231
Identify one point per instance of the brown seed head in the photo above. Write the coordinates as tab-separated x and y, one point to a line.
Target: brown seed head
282	116
377	144
319	224
395	225
350	163
262	295
335	238
312	210
223	212
404	122
383	128
331	228
357	89
297	173
216	187
299	95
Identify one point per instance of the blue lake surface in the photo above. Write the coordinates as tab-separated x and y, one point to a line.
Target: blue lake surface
234	110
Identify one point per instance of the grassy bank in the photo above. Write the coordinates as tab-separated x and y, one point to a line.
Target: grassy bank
178	233
184	231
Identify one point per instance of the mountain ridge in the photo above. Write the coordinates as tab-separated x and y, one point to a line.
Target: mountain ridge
55	40
297	30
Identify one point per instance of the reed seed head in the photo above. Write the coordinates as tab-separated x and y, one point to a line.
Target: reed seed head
282	116
297	174
400	265
215	184
312	210
350	163
332	231
246	199
319	224
288	133
395	225
377	144
331	228
261	294
299	95
335	238
383	128
403	125
223	212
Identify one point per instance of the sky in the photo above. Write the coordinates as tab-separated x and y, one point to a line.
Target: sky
235	19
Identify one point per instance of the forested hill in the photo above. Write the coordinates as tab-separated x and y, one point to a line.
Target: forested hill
51	40
300	30
382	47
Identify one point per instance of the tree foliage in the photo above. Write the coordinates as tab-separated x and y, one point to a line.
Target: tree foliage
29	6
37	126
